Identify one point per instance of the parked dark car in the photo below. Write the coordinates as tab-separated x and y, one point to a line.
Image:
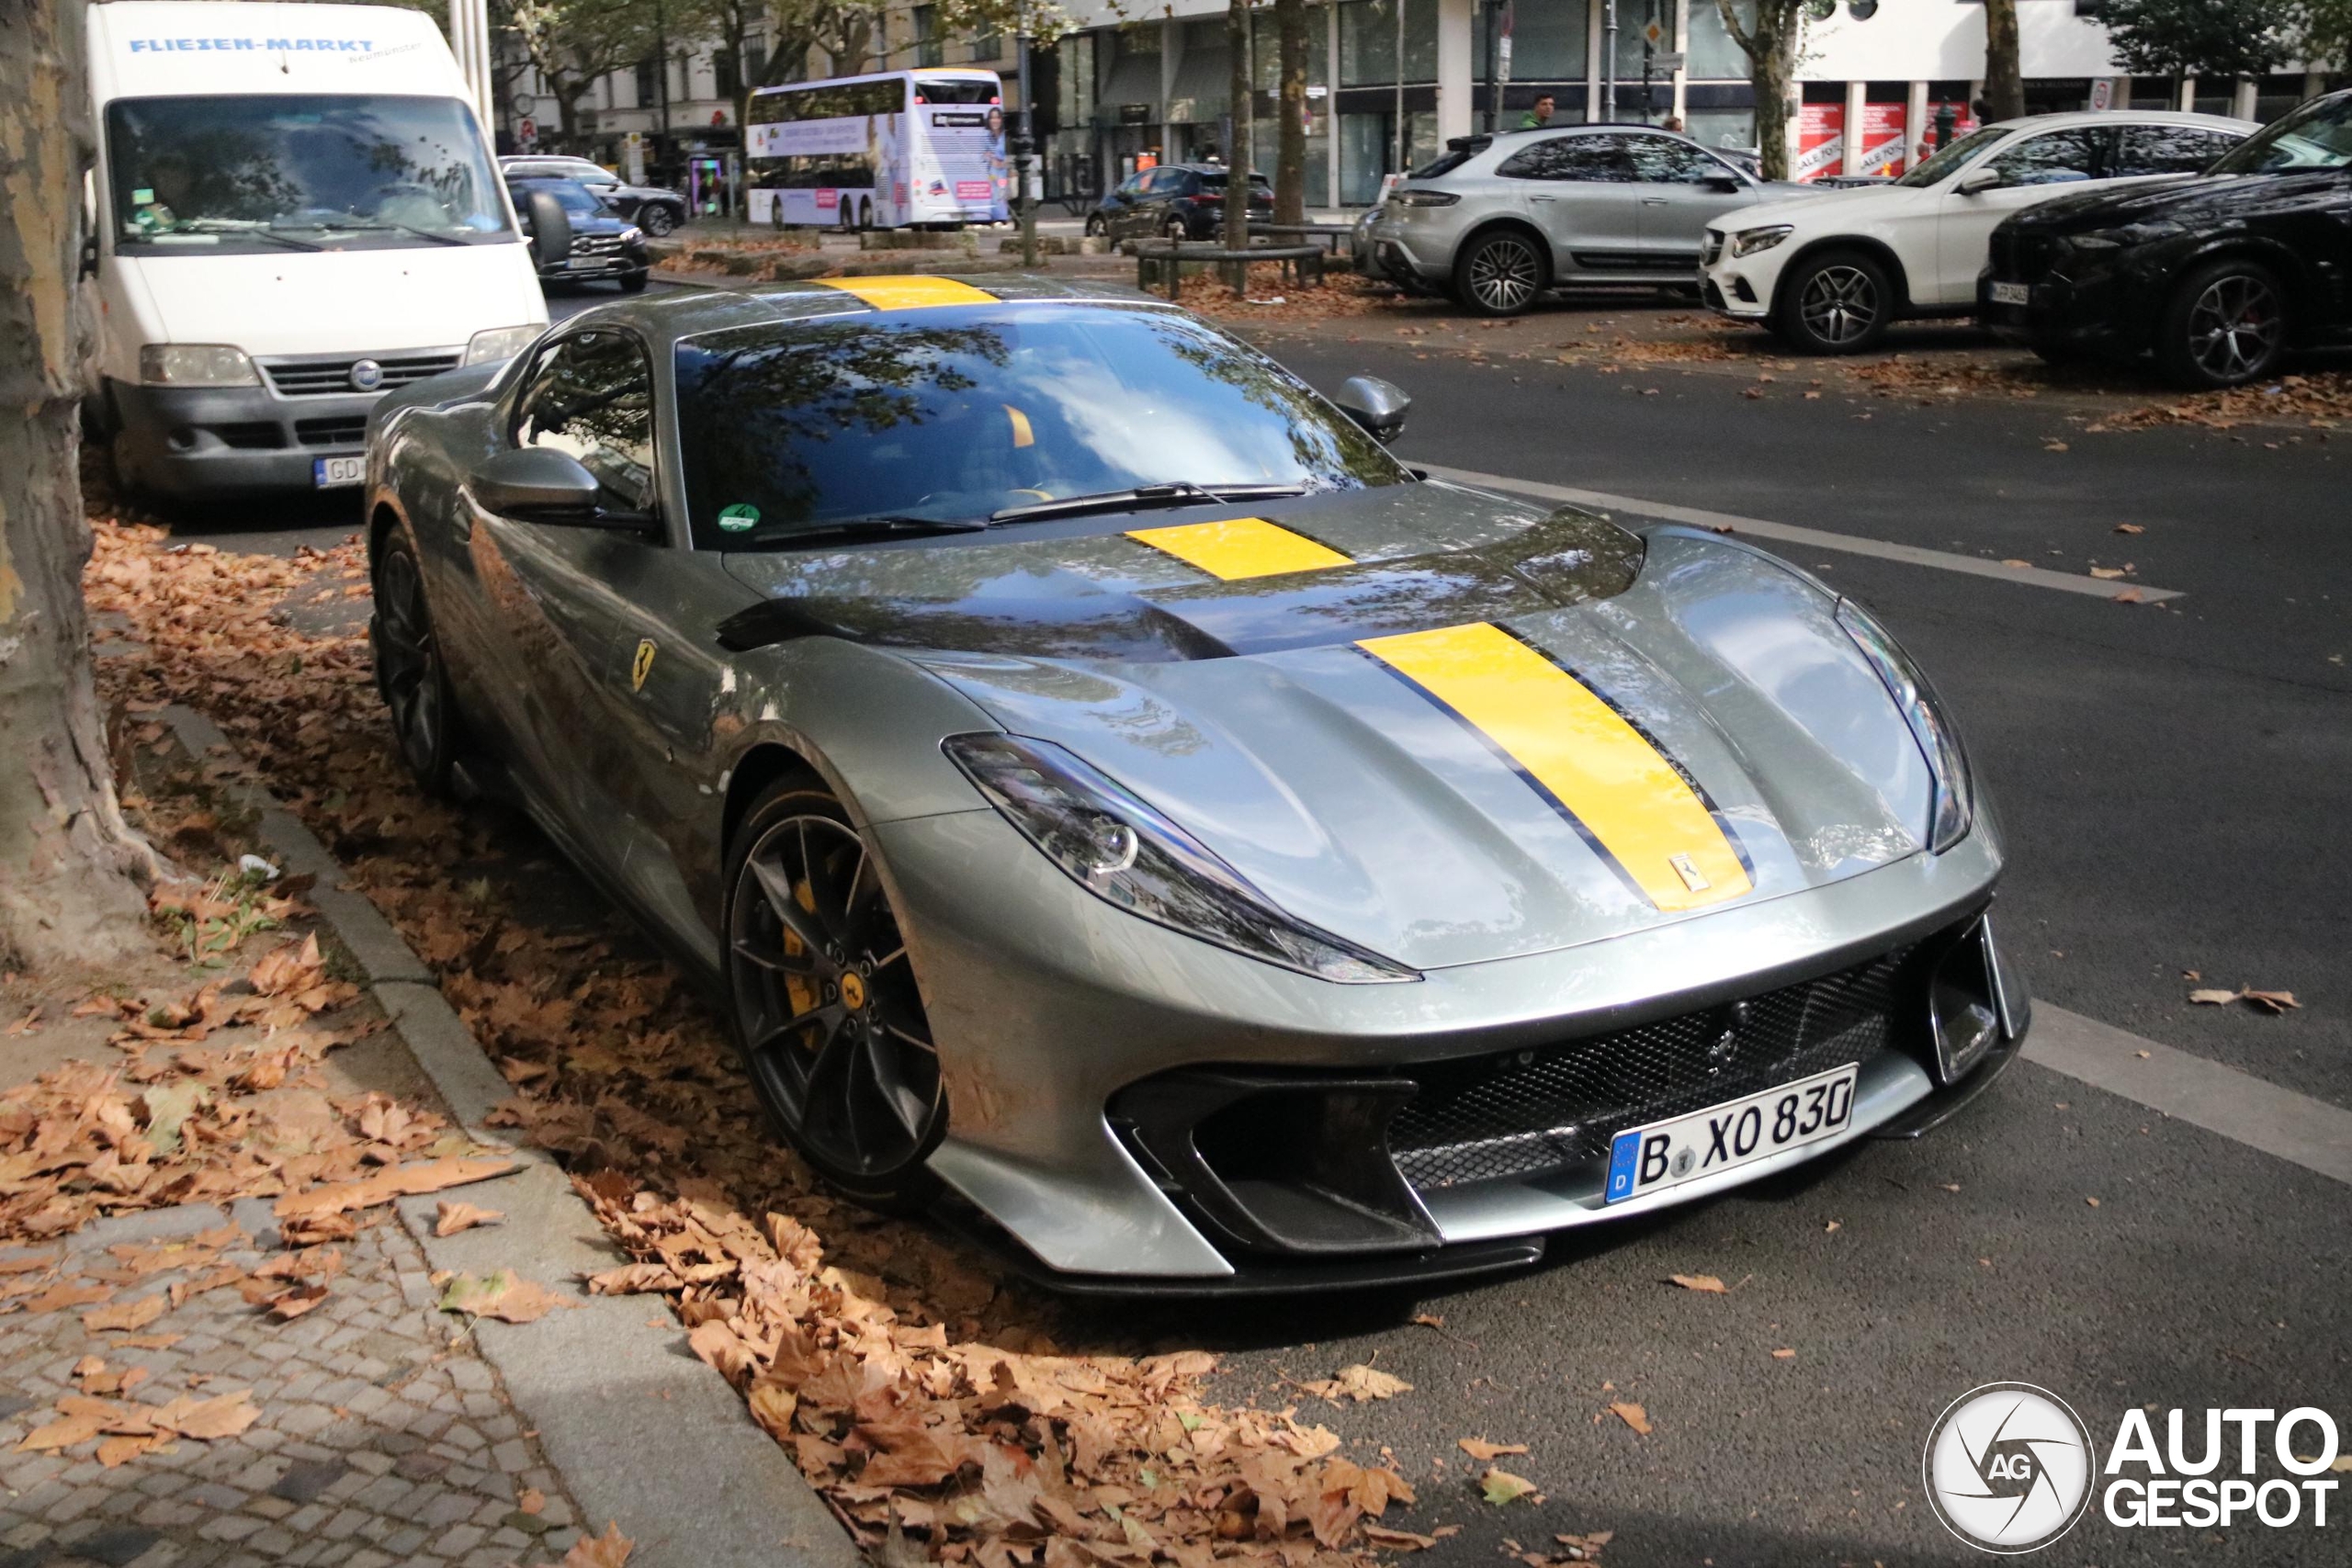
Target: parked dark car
2217	278
651	209
1183	201
604	245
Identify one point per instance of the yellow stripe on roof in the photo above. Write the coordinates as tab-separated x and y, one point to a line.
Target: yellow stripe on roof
909	293
1241	546
1629	802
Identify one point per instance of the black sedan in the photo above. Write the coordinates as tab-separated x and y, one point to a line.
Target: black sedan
2218	278
1174	201
604	245
651	209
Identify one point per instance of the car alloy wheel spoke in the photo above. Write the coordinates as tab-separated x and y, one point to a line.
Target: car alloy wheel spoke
778	960
830	1015
2234	327
1839	304
1503	276
776	886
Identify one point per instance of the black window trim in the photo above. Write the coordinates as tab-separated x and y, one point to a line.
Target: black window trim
671	535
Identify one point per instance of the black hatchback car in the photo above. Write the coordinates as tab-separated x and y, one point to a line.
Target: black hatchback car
2218	278
604	245
1178	201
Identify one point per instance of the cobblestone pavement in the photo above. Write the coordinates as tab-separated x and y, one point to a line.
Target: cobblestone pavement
383	1436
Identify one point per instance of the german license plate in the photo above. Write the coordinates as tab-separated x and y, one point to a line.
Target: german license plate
585	264
1643	1160
332	473
2012	294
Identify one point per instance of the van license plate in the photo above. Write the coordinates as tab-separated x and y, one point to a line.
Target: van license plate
333	473
2012	294
1643	1160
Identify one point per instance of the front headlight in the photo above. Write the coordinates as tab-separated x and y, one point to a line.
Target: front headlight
500	343
631	235
1747	241
1126	853
1953	807
195	365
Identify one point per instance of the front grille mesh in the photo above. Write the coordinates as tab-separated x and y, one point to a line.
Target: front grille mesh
332	377
2022	258
1522	1113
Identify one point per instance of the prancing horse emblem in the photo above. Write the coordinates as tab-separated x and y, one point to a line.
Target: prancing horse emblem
642	665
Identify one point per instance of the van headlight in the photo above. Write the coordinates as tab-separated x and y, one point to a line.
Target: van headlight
500	343
1747	241
1954	804
195	365
1126	853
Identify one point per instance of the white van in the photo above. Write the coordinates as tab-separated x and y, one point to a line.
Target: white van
294	208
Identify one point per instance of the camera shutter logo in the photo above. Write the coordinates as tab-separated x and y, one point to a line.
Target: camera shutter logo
2008	1468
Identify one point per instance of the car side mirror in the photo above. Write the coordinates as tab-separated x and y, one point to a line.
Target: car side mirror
1981	181
551	229
539	484
1377	405
1729	185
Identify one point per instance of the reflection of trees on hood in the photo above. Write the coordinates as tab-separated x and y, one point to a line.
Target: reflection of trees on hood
783	395
1320	443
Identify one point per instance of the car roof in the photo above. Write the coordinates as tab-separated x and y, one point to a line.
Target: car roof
2072	118
665	317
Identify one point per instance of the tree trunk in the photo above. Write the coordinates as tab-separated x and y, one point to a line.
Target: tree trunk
1290	141
1236	157
2004	69
67	859
1773	69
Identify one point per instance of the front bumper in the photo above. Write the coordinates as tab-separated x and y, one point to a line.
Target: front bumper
1143	1111
2104	302
230	441
1739	290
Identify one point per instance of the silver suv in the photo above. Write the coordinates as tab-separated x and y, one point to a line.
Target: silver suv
1497	220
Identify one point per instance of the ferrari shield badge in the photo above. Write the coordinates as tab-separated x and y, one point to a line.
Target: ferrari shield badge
642	665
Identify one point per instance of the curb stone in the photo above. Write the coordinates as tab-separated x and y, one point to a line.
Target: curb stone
643	1434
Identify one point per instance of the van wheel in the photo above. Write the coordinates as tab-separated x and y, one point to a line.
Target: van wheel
2226	325
633	282
1499	274
1838	303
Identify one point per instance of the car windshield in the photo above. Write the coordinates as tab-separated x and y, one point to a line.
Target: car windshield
1952	155
961	412
2317	136
341	171
576	198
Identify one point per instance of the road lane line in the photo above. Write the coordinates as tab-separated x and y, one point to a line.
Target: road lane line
1814	538
2293	1127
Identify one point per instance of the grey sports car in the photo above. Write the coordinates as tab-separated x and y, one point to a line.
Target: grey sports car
1127	812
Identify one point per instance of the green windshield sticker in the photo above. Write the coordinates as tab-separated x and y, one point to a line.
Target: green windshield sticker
142	198
738	518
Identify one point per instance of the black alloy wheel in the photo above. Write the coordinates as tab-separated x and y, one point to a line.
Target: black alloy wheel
827	1013
1499	274
655	219
2226	326
410	674
633	282
1837	303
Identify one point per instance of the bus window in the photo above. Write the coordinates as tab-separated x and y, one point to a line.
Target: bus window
932	90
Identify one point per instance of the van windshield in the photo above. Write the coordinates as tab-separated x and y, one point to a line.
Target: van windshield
205	174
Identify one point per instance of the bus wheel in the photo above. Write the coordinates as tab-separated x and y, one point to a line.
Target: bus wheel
865	214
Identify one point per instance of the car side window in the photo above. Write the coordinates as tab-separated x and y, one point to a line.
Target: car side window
1133	184
1582	158
1661	160
591	395
2169	150
2054	158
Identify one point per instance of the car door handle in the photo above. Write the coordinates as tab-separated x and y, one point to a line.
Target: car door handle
1542	198
1653	201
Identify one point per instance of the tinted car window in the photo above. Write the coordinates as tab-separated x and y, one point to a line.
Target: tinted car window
1661	160
1570	158
2169	149
2316	136
592	396
1947	159
2053	159
964	413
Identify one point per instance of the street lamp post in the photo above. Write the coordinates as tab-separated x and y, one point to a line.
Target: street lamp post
1024	148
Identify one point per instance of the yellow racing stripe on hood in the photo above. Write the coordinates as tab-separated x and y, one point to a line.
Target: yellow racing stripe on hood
1629	801
909	293
1241	546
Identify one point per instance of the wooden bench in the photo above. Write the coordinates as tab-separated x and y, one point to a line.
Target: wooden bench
1163	261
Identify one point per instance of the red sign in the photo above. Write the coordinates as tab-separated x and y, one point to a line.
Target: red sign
975	190
1882	150
1821	141
828	198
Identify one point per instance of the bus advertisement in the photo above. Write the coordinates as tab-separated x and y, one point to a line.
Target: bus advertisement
880	151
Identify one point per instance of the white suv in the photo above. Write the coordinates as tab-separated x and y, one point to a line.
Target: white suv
1829	271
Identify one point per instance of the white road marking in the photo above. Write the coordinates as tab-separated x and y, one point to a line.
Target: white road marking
1814	538
2294	1127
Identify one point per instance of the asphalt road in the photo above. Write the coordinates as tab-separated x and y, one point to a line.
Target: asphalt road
2172	783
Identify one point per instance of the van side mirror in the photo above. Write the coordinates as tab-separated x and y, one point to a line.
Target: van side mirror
551	229
539	484
1377	405
1981	181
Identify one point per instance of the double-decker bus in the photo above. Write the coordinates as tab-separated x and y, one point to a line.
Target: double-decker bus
880	151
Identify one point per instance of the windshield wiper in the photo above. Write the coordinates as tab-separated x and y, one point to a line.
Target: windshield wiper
1176	492
241	231
877	528
341	227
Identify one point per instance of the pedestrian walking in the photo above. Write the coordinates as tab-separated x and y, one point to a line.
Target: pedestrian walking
1538	116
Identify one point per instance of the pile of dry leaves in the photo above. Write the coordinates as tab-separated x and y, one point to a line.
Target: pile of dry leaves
926	1397
1272	298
